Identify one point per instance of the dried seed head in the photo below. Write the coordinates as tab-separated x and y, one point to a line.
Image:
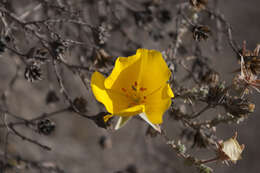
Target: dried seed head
33	73
101	120
199	4
201	33
45	126
164	16
211	78
254	65
51	97
37	55
239	107
59	48
81	104
217	94
200	140
101	58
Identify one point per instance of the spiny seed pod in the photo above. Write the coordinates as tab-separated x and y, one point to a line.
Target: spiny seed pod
217	94
37	55
199	4
200	140
58	49
33	73
51	97
45	126
211	78
164	16
239	107
200	33
81	104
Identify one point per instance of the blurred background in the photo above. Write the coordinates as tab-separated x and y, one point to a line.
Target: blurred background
78	145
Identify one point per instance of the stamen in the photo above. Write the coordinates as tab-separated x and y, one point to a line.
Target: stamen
143	89
123	89
134	88
135	84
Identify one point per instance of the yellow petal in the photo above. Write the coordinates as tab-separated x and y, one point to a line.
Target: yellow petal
107	117
122	121
157	103
154	70
112	100
134	110
125	73
146	68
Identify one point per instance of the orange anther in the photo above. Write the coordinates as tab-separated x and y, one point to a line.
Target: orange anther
143	89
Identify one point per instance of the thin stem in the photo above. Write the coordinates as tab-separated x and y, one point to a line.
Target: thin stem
209	160
200	112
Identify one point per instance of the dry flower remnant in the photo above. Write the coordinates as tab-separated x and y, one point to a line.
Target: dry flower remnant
137	85
250	68
230	150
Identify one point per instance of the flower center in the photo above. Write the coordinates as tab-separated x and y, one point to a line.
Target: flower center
136	93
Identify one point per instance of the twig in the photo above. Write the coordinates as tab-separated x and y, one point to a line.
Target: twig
28	139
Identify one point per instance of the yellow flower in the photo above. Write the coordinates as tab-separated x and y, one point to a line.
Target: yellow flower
230	150
137	85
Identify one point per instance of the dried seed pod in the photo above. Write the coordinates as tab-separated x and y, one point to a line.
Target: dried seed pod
58	49
201	33
81	104
230	150
211	78
200	140
199	4
251	58
37	55
101	58
217	94
51	97
238	107
164	16
45	126
102	121
33	73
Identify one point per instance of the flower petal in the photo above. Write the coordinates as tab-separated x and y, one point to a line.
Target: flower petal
134	110
157	103
122	122
113	101
125	73
154	70
155	126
